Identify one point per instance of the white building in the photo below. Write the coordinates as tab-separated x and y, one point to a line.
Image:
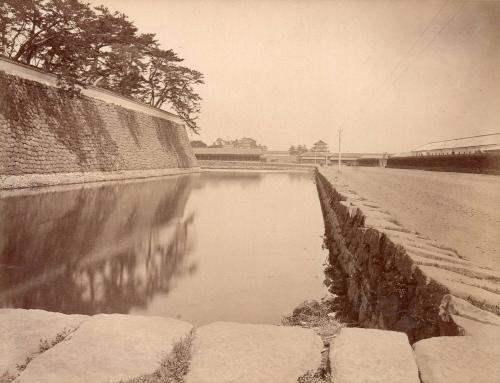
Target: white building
485	143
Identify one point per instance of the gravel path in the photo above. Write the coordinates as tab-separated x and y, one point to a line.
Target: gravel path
461	211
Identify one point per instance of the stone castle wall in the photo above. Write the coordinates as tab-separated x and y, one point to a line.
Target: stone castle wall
45	133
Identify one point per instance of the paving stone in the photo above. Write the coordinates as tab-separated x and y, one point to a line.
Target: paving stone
462	359
247	353
372	356
22	330
108	348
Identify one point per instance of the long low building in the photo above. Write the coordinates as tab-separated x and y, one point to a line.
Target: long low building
228	154
476	154
485	143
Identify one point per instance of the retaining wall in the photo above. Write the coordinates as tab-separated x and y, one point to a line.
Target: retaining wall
392	278
47	137
463	163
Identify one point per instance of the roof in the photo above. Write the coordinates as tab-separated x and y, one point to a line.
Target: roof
228	151
282	152
483	140
316	154
344	155
402	154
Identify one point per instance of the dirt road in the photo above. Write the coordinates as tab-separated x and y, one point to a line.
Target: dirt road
459	210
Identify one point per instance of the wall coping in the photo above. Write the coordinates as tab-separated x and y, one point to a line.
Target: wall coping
22	184
32	73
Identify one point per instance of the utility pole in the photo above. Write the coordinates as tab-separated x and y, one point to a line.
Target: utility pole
340	152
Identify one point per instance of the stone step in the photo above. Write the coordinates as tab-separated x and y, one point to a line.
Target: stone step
24	332
372	356
115	348
248	353
481	292
461	359
108	348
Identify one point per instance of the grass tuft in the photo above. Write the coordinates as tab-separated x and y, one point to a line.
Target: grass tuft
317	316
173	368
320	319
45	344
314	377
7	377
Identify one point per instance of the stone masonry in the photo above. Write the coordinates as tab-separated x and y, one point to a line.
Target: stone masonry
45	131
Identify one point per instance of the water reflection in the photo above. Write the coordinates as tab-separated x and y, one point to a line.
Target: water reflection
93	250
223	245
229	178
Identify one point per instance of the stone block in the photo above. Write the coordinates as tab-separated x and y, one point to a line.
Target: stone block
462	359
22	331
108	348
248	353
372	356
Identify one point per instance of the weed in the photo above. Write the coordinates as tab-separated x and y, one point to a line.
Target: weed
46	344
7	377
173	368
314	377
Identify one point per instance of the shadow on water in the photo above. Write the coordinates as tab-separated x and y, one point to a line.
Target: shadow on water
95	250
240	246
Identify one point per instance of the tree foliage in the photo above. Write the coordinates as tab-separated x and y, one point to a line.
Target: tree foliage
198	144
94	46
320	146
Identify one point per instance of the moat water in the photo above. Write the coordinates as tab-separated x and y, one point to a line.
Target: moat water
222	245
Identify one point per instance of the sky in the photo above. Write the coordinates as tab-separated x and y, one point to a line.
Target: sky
393	75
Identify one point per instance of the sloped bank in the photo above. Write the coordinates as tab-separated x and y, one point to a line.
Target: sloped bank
391	278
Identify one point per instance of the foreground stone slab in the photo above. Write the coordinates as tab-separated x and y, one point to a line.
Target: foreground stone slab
372	356
108	348
462	359
21	332
248	353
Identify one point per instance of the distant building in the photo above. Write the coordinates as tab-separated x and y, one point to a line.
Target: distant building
486	143
280	157
228	154
320	146
221	143
327	158
319	158
245	142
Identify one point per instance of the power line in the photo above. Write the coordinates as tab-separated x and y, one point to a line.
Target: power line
408	52
413	46
445	25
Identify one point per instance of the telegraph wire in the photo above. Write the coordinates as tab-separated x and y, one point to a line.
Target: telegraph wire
408	52
450	20
445	25
414	45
